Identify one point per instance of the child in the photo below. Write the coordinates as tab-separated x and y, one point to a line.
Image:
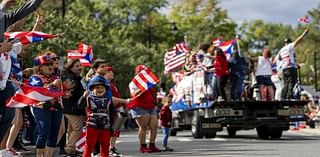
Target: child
165	121
100	114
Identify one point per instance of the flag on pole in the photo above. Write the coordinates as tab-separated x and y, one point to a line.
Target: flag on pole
143	81
84	54
304	19
217	41
176	57
227	46
28	37
31	95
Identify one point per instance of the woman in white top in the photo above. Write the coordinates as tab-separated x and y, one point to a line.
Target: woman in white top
263	75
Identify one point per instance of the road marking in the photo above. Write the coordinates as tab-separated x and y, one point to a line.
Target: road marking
184	139
218	139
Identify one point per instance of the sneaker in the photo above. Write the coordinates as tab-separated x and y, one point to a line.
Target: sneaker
13	153
154	149
167	149
145	150
23	149
113	153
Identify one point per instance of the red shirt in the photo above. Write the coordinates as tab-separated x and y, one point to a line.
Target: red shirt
114	90
165	116
145	101
221	66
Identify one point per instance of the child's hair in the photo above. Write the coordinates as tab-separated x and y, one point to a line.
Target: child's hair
166	99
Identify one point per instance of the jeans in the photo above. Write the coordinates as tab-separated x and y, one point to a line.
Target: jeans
222	81
48	125
6	114
236	87
214	81
166	132
290	76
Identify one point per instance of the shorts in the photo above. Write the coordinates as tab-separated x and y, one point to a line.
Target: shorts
264	80
138	112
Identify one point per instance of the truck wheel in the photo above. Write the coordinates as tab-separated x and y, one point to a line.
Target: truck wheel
231	132
276	134
211	135
195	125
173	132
262	132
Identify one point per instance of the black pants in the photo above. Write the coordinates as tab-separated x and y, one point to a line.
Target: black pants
290	76
222	81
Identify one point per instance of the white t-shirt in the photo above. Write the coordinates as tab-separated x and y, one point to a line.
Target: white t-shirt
287	56
264	67
5	63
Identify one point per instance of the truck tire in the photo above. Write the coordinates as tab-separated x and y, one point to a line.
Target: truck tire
262	132
211	135
173	132
276	134
195	125
232	132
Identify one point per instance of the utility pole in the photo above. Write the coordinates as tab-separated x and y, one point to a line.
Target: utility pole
315	70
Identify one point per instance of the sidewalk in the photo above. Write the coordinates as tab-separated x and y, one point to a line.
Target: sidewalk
308	131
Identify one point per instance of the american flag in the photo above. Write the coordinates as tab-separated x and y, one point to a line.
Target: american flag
30	95
304	19
28	37
217	41
84	54
143	81
81	141
175	57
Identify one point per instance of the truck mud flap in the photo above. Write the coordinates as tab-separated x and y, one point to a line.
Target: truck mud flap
210	125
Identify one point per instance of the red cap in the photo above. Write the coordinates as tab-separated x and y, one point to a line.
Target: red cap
109	68
139	68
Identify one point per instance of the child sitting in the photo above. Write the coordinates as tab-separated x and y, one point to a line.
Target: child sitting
165	122
100	114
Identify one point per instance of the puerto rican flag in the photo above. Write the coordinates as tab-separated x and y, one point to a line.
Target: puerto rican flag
31	95
28	37
304	20
143	81
227	46
84	54
217	41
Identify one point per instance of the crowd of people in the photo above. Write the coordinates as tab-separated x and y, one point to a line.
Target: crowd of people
93	101
274	76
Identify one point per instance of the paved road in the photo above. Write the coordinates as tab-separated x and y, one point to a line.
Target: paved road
292	144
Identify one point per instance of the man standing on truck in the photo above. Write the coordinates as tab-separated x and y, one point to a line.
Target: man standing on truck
287	56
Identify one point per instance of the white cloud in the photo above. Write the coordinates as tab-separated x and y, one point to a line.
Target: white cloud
275	11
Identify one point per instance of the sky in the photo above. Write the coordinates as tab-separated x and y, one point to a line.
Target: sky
275	11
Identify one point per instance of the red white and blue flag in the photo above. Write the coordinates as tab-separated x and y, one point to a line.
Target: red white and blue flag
182	47
304	19
176	57
217	41
143	81
227	46
28	37
81	141
31	95
84	54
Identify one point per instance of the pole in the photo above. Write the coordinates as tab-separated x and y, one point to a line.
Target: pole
238	45
315	70
149	36
63	8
